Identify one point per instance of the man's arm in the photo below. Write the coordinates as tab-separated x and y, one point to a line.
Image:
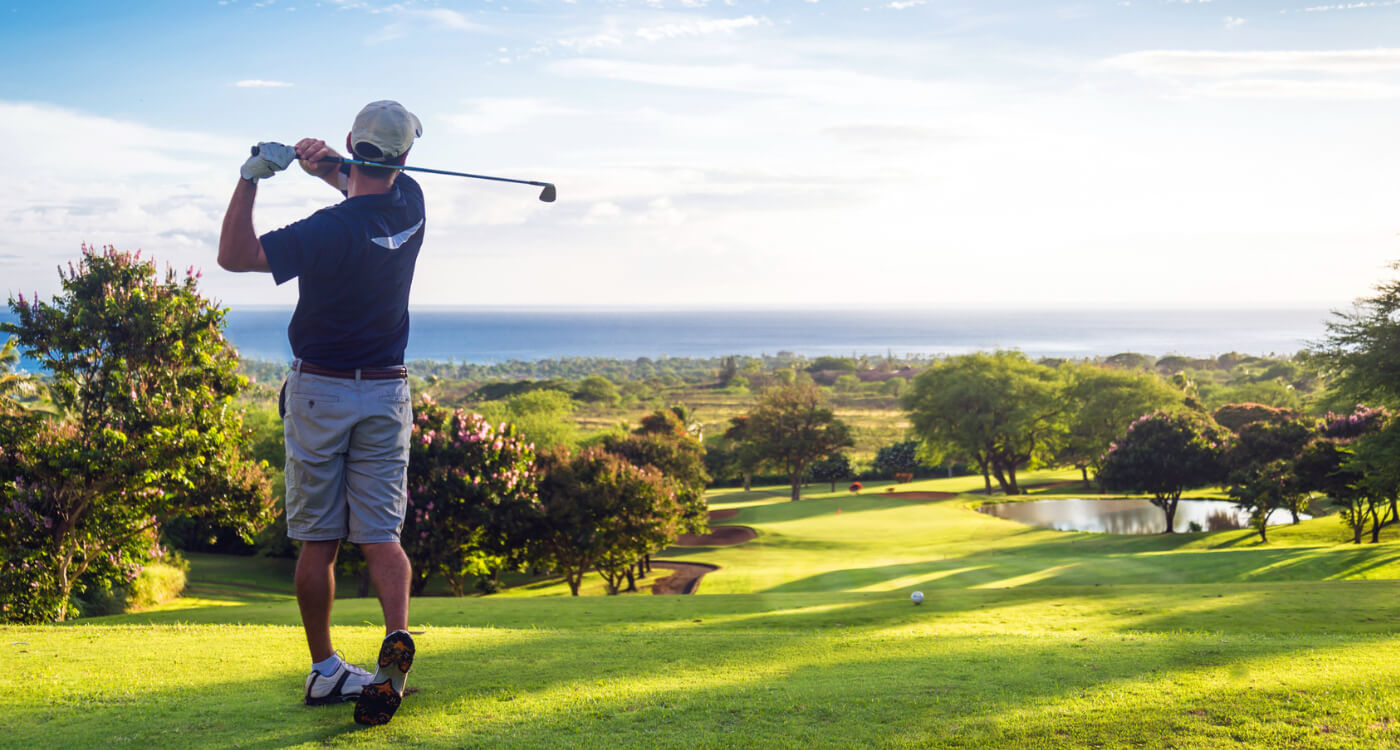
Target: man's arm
239	247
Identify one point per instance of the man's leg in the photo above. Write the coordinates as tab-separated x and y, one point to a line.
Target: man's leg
390	572
315	584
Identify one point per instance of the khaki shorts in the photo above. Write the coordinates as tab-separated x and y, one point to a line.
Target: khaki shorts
347	457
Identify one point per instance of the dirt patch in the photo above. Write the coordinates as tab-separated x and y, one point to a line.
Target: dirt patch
719	536
685	580
916	495
723	515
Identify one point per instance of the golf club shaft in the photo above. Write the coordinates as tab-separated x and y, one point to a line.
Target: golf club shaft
343	160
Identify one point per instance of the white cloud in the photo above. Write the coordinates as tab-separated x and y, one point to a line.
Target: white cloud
1232	23
1349	6
698	27
497	115
905	4
1219	63
602	212
448	19
1256	88
256	83
816	84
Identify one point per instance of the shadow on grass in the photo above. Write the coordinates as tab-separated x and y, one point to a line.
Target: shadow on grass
847	671
1089	562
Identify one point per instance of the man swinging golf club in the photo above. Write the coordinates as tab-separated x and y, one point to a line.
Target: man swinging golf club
345	402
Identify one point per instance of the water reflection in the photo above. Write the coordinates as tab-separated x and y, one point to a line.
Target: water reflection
1129	516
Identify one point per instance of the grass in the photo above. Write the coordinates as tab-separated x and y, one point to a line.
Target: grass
804	638
876	421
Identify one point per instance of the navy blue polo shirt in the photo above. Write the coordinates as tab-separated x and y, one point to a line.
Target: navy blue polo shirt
354	265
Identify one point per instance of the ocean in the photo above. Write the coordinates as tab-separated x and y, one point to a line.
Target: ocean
487	335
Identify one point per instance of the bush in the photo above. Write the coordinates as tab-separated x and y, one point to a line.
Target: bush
158	583
597	389
1234	417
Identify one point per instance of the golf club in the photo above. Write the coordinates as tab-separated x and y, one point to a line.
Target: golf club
547	195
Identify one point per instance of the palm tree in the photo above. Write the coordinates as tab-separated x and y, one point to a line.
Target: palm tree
14	384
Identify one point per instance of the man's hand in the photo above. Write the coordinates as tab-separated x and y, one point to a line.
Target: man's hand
268	159
310	151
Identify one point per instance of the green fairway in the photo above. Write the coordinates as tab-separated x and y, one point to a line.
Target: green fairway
805	637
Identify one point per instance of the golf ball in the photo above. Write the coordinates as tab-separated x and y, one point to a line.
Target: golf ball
918	597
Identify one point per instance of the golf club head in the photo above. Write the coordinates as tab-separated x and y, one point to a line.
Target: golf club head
547	195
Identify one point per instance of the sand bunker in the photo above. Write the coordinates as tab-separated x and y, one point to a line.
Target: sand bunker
719	536
685	579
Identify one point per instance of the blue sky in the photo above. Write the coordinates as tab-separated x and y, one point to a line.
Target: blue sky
740	152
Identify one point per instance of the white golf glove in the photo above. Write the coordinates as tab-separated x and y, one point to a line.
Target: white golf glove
267	159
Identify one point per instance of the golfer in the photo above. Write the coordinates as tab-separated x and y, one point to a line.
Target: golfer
345	403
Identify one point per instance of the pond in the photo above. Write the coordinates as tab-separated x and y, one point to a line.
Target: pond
1129	516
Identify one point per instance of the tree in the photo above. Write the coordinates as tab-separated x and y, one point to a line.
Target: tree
1234	417
1374	460
545	417
1266	488
1322	468
597	389
14	385
1362	348
596	509
833	364
470	487
834	468
1262	476
898	458
664	443
144	381
732	454
1000	410
791	428
1130	361
1101	403
1165	455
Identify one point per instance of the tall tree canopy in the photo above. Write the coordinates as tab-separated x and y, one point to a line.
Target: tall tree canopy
1362	347
791	428
1000	410
1101	403
597	509
1165	455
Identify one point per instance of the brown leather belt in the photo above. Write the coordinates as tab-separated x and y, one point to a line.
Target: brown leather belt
364	373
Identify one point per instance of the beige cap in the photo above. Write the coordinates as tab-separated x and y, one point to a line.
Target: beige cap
383	131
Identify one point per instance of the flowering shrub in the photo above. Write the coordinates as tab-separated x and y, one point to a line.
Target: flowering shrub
468	483
1163	455
1346	426
144	383
597	509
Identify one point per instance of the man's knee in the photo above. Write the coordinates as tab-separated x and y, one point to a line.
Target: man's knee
319	552
387	552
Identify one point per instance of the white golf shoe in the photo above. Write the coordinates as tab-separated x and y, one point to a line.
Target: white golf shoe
344	684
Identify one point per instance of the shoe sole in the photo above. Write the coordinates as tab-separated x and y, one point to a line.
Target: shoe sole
379	699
